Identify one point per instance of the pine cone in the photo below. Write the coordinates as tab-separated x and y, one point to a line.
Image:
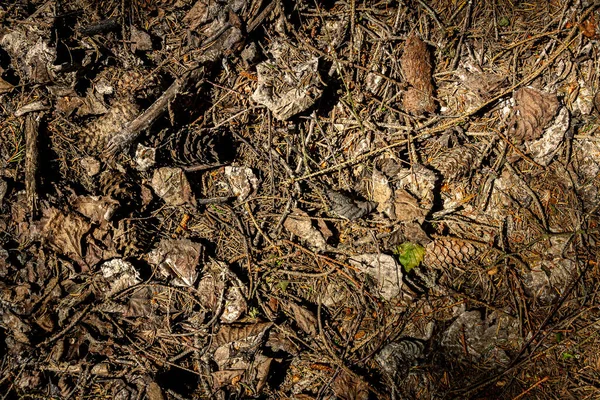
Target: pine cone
449	253
96	135
135	236
456	162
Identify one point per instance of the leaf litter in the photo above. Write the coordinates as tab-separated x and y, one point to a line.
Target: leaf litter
249	199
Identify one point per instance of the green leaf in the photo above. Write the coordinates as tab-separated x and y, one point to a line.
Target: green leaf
410	255
503	22
283	285
567	356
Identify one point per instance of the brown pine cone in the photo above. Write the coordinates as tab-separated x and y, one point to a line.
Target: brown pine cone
449	253
457	162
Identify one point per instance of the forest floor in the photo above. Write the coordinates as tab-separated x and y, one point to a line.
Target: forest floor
232	199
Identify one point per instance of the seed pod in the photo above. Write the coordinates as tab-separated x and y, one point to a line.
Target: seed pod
117	186
94	137
457	162
448	253
191	146
135	236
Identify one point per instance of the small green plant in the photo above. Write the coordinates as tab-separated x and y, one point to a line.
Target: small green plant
253	313
504	22
410	255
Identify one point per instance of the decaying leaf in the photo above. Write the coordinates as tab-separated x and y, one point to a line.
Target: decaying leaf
482	338
171	185
382	192
545	148
305	319
348	208
406	207
300	224
96	208
350	387
242	181
384	269
417	69
139	40
285	89
533	111
31	54
145	157
179	259
64	232
120	275
235	333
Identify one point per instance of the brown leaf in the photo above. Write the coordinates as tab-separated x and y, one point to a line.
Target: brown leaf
171	185
64	232
299	224
178	258
233	333
417	69
350	387
533	111
305	319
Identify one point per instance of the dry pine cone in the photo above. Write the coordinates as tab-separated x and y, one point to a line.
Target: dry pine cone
448	253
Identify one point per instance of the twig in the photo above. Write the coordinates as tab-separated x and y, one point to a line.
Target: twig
131	132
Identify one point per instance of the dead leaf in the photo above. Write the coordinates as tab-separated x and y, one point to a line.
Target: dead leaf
406	207
382	192
305	319
545	148
289	83
299	224
532	112
348	208
120	275
64	232
233	333
140	40
179	259
384	269
417	69
350	387
242	181
171	185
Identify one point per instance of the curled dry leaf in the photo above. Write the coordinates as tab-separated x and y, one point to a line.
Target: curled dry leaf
533	111
306	320
178	259
384	269
545	148
416	66
31	55
171	185
287	89
145	157
345	207
242	181
250	333
96	208
300	224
